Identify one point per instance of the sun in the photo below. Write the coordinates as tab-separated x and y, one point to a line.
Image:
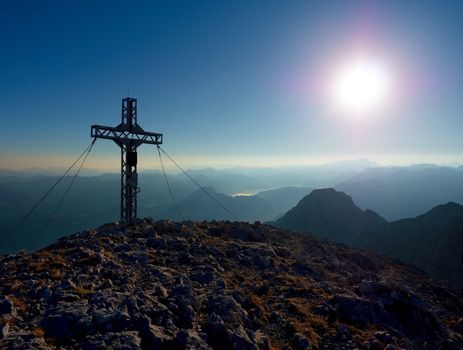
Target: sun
361	87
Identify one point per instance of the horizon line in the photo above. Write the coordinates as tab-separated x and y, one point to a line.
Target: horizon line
224	167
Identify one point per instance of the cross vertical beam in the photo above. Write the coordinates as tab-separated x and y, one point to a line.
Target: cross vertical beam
129	175
128	135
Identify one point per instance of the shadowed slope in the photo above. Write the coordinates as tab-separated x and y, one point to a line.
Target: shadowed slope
331	214
432	241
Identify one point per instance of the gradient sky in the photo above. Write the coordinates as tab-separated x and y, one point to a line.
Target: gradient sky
228	82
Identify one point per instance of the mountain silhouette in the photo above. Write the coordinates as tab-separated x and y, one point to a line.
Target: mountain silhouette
95	199
404	192
331	214
284	198
199	206
432	241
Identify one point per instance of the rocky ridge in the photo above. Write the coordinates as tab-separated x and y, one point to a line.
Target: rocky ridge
219	285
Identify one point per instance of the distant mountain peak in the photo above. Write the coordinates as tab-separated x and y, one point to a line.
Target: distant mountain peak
329	194
431	241
451	205
208	188
445	211
331	214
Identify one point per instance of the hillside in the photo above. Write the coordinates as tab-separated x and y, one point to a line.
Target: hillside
199	206
219	285
332	215
432	241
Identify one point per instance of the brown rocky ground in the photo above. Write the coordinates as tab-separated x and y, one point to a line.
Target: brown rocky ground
219	285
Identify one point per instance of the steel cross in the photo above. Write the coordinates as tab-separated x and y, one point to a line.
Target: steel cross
128	135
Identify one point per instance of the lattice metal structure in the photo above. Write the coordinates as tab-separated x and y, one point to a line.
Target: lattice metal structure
128	135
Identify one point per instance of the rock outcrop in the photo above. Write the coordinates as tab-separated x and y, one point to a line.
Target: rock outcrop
219	285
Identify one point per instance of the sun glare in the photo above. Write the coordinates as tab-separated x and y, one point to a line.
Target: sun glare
361	87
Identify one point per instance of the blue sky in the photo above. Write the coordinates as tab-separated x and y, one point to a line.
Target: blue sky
227	82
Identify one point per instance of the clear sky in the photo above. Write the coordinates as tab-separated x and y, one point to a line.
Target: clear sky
229	82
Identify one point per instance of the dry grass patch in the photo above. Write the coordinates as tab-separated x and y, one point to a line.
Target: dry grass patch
18	302
83	291
38	332
56	274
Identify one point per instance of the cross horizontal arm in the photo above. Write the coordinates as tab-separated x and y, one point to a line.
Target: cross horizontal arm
121	134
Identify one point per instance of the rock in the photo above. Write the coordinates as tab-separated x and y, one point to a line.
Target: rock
160	291
5	329
375	344
240	340
227	308
301	342
190	340
127	340
357	310
183	290
45	293
107	284
343	330
84	325
219	285
60	326
7	308
283	252
188	316
153	336
383	336
61	322
216	332
275	317
67	284
203	277
111	320
390	347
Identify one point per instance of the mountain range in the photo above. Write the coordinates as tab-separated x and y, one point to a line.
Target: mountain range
95	199
234	285
263	206
432	241
402	192
381	193
198	206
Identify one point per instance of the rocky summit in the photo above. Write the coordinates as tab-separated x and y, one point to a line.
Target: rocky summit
219	285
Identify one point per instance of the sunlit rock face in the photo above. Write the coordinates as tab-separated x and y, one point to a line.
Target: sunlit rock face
218	285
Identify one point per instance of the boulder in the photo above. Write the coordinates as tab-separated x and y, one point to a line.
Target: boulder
188	339
357	310
7	309
300	342
4	330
